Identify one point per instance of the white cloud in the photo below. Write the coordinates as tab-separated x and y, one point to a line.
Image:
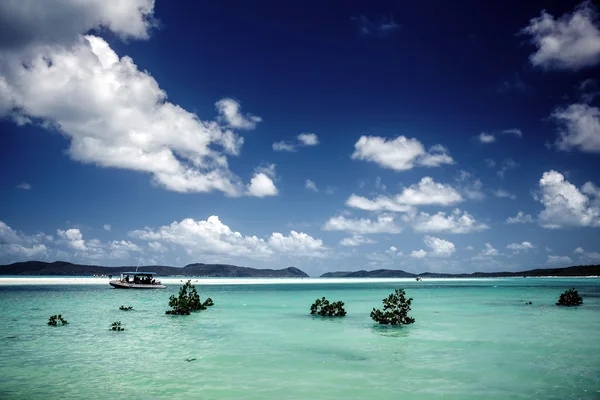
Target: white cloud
15	245
486	253
419	254
303	139
356	240
213	237
486	138
490	163
513	131
520	246
470	186
24	186
455	222
297	244
520	218
24	24
73	238
231	116
157	247
283	146
383	224
587	256
504	194
381	27
107	227
579	128
399	154
308	139
439	247
559	260
261	184
507	164
570	42
113	114
426	192
565	205
310	185
470	248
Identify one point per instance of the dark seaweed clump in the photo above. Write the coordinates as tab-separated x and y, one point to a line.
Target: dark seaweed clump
57	320
116	326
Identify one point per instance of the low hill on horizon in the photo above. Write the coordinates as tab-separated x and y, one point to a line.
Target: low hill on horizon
63	268
580	270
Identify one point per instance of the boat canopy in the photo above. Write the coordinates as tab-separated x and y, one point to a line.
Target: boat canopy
138	273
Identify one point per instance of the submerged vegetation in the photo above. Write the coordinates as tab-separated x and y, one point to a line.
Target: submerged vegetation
57	320
123	308
395	310
324	308
187	301
570	298
116	326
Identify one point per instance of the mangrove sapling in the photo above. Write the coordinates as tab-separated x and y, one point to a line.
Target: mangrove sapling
57	320
569	298
187	301
324	308
395	310
116	326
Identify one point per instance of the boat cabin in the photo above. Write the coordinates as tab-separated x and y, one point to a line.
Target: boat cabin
137	280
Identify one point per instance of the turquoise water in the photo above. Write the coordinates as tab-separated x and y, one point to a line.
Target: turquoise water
472	339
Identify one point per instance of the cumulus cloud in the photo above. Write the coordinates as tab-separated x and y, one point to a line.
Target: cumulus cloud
520	246
113	114
381	26
487	253
261	184
107	227
455	222
15	245
23	24
520	218
399	154
439	247
569	42
558	260
310	185
231	116
486	138
506	165
73	238
418	254
302	140
24	186
565	205
426	192
513	131
579	128
384	223
469	186
356	240
308	139
211	236
587	256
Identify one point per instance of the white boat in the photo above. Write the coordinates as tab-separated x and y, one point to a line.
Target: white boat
137	280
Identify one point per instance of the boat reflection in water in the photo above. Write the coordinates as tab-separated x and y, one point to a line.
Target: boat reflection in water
137	280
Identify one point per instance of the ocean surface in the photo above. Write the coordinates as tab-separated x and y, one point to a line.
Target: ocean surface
473	339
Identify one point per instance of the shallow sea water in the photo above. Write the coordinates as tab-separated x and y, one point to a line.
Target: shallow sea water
473	339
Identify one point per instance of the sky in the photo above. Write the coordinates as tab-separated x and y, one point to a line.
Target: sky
422	136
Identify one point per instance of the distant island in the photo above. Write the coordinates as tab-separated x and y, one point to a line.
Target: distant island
63	268
580	270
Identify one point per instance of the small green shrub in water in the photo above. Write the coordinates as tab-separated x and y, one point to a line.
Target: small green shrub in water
324	308
116	326
570	298
123	308
57	320
395	310
187	301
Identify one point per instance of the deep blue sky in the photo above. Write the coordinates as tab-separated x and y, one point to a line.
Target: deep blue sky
436	72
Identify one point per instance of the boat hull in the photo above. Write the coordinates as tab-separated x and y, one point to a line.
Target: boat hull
124	285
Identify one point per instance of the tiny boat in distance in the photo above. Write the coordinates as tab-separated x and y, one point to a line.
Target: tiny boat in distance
137	280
